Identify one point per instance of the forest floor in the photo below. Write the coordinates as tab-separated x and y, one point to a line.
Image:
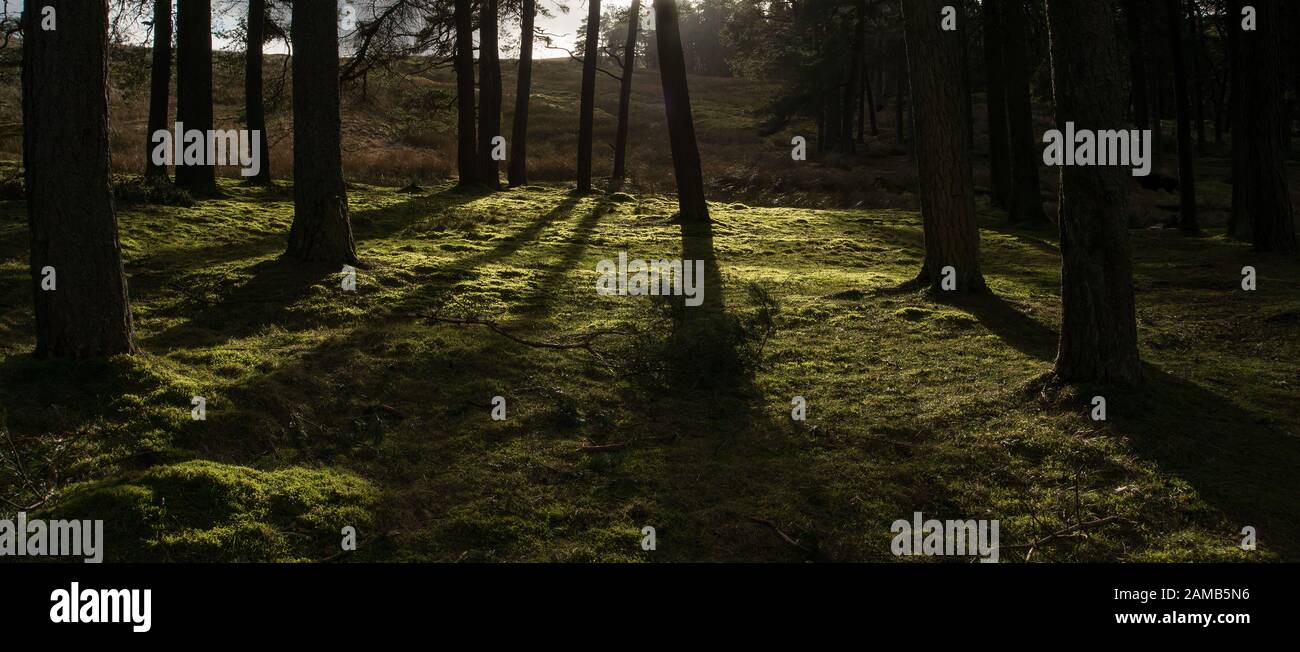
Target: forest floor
327	408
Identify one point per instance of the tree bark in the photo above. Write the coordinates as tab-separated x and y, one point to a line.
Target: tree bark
518	168
466	133
1026	192
677	107
586	117
625	96
254	108
943	160
160	85
194	87
70	217
1098	341
489	103
999	140
1187	221
1261	200
321	231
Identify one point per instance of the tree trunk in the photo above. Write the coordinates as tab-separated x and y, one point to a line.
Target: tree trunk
70	215
1198	75
489	103
677	107
999	141
943	160
1098	342
586	118
160	85
466	134
194	87
625	96
321	230
254	108
1137	57
1186	170
518	169
1261	200
968	108
1026	193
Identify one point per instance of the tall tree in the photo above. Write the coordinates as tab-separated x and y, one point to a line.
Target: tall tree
518	168
1098	341
321	230
489	102
160	85
677	107
194	87
999	141
1261	200
1026	193
625	95
942	158
587	114
76	261
1137	57
254	107
466	139
1186	170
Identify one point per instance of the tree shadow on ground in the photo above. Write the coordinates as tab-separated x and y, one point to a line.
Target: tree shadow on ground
1234	459
266	298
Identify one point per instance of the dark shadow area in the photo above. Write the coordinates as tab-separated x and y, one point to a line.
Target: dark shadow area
265	299
1018	330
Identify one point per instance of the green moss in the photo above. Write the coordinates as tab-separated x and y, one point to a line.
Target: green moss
329	408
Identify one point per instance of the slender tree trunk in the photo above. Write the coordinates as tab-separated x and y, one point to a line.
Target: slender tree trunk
76	261
489	104
1261	200
321	231
1139	86
677	107
900	123
1186	168
968	107
943	160
194	87
625	95
1026	193
467	169
999	140
1098	342
518	169
871	107
160	85
1198	74
586	119
253	105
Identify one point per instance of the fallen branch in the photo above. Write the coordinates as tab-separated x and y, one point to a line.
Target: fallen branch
618	446
1077	527
811	553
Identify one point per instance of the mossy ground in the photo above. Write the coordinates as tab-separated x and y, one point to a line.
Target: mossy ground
328	408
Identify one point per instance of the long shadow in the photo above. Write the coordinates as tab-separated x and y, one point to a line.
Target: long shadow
265	299
1234	460
431	292
1018	330
538	301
